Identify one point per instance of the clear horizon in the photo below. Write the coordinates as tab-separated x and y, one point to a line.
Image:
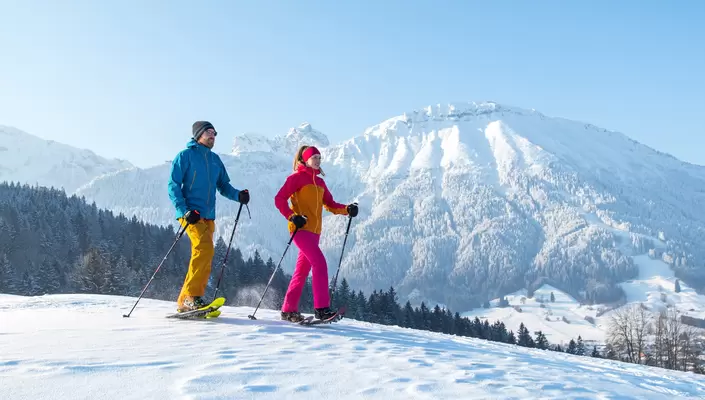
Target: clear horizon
127	80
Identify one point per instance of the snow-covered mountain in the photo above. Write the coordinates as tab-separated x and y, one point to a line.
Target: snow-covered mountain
466	202
103	355
28	159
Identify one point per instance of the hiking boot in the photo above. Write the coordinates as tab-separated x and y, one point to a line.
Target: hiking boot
325	313
191	303
293	316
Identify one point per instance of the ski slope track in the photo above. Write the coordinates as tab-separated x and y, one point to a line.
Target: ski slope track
80	347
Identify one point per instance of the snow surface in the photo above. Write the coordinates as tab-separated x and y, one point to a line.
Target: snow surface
80	347
549	320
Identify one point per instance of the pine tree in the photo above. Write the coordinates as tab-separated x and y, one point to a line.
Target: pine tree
486	330
458	325
437	319
425	322
89	276
511	339
342	293
595	353
392	310
408	316
361	307
8	282
580	347
50	277
553	298
541	341
571	347
524	339
678	286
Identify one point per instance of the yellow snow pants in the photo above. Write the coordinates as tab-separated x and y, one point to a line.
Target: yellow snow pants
202	251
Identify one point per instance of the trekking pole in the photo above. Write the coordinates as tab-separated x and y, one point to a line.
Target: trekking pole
335	280
273	273
225	259
181	233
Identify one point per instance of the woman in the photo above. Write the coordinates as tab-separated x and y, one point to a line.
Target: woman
308	194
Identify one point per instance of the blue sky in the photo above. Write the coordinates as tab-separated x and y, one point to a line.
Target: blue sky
127	79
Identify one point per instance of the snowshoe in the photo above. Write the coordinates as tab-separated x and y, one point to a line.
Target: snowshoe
293	316
191	303
325	313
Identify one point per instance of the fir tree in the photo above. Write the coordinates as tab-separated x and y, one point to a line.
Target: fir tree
511	339
437	319
408	318
541	341
361	307
425	318
8	282
524	339
571	347
580	347
342	293
595	353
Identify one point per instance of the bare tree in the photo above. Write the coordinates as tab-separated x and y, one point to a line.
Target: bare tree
627	332
675	344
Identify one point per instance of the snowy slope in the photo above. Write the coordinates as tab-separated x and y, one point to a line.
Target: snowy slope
465	202
80	347
28	159
539	313
565	318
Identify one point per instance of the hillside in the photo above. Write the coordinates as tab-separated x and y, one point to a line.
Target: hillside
565	318
80	347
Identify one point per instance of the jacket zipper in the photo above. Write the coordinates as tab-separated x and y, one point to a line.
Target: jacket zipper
318	208
208	199
193	180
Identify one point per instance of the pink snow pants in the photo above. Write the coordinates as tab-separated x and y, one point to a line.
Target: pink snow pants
310	256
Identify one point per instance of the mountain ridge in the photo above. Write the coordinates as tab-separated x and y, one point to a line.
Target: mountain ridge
464	202
27	158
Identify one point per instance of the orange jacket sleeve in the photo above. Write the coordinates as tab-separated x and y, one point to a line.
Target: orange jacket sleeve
331	205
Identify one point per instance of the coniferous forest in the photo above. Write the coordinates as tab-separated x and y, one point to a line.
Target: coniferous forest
51	243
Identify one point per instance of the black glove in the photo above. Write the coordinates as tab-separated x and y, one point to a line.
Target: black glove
244	196
352	210
298	220
192	217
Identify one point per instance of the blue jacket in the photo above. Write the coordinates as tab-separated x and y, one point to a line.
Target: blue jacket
196	173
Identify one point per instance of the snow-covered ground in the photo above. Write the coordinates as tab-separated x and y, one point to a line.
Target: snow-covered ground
565	318
80	347
539	313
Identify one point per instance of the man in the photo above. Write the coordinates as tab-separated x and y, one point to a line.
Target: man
196	173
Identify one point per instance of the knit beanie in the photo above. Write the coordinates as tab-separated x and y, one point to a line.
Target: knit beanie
199	127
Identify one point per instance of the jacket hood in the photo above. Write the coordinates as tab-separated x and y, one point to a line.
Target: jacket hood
193	144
